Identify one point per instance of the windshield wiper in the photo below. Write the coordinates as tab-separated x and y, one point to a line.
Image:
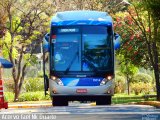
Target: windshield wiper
72	61
91	64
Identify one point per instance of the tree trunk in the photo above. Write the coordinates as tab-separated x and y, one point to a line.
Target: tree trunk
156	70
156	73
17	92
18	82
155	53
128	88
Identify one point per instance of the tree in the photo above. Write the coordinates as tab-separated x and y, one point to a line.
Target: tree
110	6
153	39
128	69
3	18
139	28
27	23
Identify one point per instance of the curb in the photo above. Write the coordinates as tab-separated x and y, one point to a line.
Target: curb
28	106
93	104
151	103
31	104
36	105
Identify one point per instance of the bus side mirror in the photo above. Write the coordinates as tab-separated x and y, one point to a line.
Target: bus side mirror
117	41
46	42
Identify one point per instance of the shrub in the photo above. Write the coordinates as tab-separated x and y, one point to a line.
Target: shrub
142	77
28	96
33	96
147	88
33	84
29	85
141	87
40	74
142	83
119	84
8	85
137	88
9	96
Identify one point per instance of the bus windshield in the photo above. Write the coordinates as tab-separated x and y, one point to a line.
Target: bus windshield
86	48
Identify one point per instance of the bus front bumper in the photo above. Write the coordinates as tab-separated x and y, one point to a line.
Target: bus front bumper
58	90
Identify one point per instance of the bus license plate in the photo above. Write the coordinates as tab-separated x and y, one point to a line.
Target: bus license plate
81	90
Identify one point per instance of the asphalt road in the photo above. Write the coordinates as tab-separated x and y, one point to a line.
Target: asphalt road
77	111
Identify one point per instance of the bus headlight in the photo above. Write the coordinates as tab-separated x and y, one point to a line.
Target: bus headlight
109	77
57	80
105	80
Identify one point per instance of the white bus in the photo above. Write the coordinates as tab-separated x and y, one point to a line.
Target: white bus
81	48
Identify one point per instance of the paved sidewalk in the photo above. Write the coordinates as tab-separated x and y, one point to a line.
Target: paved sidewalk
30	104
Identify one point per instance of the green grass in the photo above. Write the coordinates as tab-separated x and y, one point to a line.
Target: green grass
131	95
124	98
126	95
120	100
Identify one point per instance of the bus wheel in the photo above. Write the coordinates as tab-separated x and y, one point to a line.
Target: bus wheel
103	100
59	101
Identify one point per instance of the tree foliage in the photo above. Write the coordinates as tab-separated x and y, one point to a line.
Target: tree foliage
153	7
110	6
133	45
128	70
3	18
27	23
142	77
140	44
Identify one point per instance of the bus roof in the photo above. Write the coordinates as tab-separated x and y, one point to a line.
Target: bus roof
81	18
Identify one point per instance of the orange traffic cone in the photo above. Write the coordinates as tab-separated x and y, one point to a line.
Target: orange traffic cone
3	104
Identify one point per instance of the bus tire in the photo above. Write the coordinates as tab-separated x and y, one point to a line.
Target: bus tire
104	100
59	101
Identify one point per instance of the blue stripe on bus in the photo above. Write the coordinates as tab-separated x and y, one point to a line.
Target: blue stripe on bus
81	22
81	81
